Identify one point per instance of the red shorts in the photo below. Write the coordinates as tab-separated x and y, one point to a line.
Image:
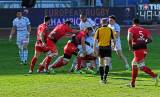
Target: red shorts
140	54
40	48
69	48
89	58
51	46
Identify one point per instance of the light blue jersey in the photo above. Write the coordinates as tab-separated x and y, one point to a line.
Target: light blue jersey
21	25
116	28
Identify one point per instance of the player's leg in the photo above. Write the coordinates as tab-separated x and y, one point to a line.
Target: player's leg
134	74
118	50
92	66
58	60
101	68
74	64
119	53
65	61
25	49
34	59
107	60
142	67
20	46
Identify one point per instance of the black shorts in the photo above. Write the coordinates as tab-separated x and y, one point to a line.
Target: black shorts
104	51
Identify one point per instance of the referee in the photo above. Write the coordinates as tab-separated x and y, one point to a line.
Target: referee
103	35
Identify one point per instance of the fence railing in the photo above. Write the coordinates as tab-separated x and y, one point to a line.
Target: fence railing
39	4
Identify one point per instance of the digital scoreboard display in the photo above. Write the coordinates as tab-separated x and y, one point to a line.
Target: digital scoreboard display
149	13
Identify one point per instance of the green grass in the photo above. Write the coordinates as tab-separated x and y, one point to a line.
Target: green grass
16	82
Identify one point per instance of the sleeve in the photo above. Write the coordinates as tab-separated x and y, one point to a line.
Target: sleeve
130	31
117	29
112	34
27	21
96	36
69	30
92	23
148	34
14	23
80	25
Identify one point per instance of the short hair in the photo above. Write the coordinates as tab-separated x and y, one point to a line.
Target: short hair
82	14
112	17
104	20
68	22
17	11
89	28
46	18
136	21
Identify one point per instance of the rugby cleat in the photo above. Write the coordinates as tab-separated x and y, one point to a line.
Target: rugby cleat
30	71
90	71
104	81
40	71
110	66
25	62
71	70
128	68
130	85
46	71
51	70
156	79
79	72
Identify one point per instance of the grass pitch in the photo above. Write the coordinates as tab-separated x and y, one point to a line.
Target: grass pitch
16	82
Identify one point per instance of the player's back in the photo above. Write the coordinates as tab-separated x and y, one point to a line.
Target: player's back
76	38
42	28
139	36
59	31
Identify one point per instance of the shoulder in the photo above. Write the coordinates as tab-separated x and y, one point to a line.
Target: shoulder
15	19
25	18
116	25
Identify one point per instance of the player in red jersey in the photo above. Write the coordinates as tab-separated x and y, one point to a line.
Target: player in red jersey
56	34
138	37
41	44
71	48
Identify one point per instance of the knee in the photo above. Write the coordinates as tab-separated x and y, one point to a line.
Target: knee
65	62
25	48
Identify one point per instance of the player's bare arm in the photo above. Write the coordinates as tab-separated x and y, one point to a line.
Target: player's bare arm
42	38
114	43
12	33
117	34
148	40
75	31
94	46
29	30
129	38
83	46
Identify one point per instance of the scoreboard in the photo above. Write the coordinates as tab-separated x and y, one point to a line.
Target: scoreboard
149	13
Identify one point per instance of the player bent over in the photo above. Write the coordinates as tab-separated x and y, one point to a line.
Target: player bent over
71	48
41	44
58	32
138	37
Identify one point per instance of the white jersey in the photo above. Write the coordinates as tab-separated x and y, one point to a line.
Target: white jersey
21	25
116	28
88	23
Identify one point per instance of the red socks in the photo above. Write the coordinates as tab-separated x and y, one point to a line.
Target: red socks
48	60
79	63
91	68
134	75
33	62
148	71
41	68
58	64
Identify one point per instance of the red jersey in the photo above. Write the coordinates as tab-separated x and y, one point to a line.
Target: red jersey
59	31
76	39
42	28
139	36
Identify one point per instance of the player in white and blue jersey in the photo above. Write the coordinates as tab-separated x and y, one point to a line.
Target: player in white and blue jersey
116	28
86	22
22	24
